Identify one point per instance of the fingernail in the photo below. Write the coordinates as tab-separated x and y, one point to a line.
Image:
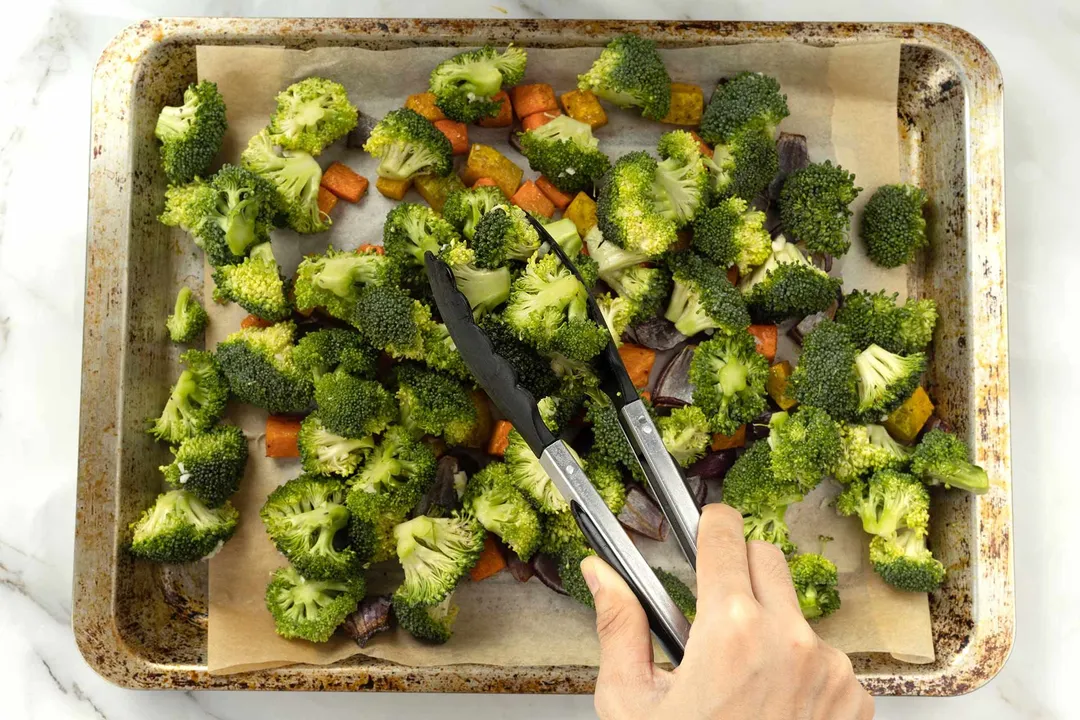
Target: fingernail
588	571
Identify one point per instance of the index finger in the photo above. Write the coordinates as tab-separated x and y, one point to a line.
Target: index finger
722	567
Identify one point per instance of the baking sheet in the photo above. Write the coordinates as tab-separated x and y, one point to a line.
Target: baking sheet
843	99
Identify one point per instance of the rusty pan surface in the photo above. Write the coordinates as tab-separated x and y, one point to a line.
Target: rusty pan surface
144	626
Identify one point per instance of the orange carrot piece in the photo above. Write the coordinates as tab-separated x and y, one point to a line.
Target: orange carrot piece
733	275
638	361
491	561
530	99
457	133
485	182
765	337
531	122
505	118
327	200
646	396
529	198
369	248
393	189
281	436
500	438
254	322
729	442
557	197
705	149
424	103
344	182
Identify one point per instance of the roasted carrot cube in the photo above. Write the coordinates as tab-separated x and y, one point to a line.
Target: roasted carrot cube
457	133
367	248
424	103
500	438
344	182
729	442
485	182
560	199
705	149
327	200
505	118
282	435
765	337
485	161
582	105
531	122
393	189
639	361
252	321
529	198
582	210
687	105
530	99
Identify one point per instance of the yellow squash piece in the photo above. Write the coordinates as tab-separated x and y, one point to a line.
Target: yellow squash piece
583	106
687	105
486	162
434	189
779	375
582	212
393	189
905	422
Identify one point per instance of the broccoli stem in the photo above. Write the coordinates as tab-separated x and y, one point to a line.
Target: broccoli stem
174	121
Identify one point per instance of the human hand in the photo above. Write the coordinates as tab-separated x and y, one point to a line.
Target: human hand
750	656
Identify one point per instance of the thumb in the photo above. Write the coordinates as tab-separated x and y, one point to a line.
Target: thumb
625	643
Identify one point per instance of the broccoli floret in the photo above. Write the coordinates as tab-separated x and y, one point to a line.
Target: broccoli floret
311	114
324	351
876	319
399	466
905	562
743	166
893	226
311	609
303	518
209	465
685	433
431	623
484	289
410	231
565	152
681	182
436	404
325	453
504	234
407	144
816	579
258	364
787	285
753	489
617	314
333	281
392	321
570	576
180	528
730	234
465	85
255	285
502	509
749	99
866	449
196	402
191	133
703	298
941	458
188	318
529	476
436	553
886	503
351	406
441	353
607	478
611	258
679	592
814	207
630	73
466	207
626	212
373	517
645	289
296	177
826	377
548	309
609	442
886	380
729	376
805	446
187	206
533	370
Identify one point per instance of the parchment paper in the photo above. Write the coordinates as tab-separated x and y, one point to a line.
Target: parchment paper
843	99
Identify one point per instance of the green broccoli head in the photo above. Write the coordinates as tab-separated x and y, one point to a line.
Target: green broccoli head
893	226
886	503
326	453
610	258
465	208
570	575
729	376
188	205
814	207
607	478
430	623
876	319
686	433
333	281
209	465
191	133
259	367
296	177
753	489
626	211
400	466
504	234
529	476
805	446
565	152
679	592
816	579
303	518
391	321
865	449
311	114
609	442
407	144
465	85
703	298
749	99
826	377
255	285
180	528
730	234
441	353
311	609
188	317
485	289
787	285
533	371
410	231
645	290
325	350
630	73
196	402
743	166
905	562
617	313
493	499
436	553
941	458
436	404
680	185
351	406
886	379
372	519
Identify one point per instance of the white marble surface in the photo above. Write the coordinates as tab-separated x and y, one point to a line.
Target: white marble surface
46	59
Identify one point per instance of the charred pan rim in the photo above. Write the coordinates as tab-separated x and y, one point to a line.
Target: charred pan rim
97	535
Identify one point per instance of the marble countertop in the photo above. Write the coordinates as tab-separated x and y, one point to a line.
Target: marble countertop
46	61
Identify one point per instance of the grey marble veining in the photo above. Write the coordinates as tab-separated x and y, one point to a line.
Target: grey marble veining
46	60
